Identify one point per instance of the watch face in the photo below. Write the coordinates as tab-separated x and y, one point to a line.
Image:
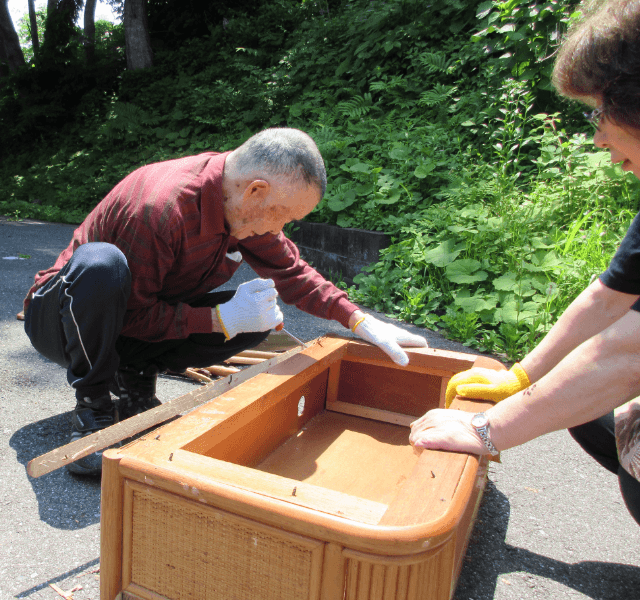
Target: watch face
479	420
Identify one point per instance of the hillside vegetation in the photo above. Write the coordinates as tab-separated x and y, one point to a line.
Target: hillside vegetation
437	123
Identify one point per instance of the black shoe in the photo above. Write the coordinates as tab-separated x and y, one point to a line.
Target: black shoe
91	415
136	390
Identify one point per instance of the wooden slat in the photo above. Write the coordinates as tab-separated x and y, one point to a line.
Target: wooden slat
243	360
193	374
371	413
220	371
256	354
333	569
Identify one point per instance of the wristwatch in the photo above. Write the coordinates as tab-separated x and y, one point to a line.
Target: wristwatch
480	422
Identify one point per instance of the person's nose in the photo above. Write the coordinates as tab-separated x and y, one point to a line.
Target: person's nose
600	139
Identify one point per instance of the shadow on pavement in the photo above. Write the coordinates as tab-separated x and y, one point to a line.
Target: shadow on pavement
489	558
65	501
60	578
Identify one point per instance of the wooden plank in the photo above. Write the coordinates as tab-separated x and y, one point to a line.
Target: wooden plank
289	490
428	491
333	449
111	511
371	413
419	358
443	392
333	384
249	436
111	435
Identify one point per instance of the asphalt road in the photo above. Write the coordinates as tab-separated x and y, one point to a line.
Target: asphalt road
552	524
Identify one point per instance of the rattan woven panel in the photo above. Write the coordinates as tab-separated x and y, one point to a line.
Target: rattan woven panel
180	549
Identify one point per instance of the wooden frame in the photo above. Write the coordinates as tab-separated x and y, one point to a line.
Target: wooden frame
298	484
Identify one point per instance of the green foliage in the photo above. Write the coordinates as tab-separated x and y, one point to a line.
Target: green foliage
436	123
495	265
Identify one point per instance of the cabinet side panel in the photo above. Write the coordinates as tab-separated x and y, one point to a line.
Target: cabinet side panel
421	577
180	549
247	438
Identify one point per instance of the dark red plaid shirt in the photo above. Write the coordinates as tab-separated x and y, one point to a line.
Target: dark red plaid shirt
167	219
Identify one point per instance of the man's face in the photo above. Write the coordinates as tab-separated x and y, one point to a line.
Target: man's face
622	142
283	203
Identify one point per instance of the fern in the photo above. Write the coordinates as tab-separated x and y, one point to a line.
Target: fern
437	62
356	107
386	85
440	94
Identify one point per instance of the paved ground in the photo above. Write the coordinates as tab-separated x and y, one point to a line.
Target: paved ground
552	524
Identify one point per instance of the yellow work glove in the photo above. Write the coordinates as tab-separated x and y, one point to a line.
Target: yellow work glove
487	384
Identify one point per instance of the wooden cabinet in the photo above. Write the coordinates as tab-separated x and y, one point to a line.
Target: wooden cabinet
298	484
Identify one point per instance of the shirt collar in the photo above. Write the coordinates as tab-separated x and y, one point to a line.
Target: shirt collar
212	197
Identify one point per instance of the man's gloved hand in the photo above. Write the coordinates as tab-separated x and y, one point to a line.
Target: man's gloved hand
252	308
388	338
487	384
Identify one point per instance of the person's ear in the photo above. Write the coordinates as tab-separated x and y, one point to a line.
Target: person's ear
256	192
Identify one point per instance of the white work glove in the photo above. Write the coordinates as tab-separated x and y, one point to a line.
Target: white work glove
389	338
252	308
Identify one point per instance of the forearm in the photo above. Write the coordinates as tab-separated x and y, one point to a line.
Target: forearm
354	318
593	311
216	327
599	375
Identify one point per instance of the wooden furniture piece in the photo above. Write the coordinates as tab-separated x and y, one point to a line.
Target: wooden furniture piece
298	484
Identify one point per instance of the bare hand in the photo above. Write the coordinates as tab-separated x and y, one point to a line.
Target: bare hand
446	429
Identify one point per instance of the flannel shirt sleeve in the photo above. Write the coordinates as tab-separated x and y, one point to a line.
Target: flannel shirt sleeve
278	258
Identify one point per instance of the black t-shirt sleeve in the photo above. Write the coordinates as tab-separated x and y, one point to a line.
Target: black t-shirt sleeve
623	273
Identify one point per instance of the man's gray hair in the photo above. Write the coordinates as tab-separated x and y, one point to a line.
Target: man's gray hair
283	152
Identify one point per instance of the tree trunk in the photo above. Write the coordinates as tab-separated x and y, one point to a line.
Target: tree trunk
33	24
12	53
90	30
136	35
51	8
4	66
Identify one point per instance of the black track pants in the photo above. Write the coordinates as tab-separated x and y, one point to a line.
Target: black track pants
76	318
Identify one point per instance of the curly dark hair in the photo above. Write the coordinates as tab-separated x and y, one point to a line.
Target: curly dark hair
600	60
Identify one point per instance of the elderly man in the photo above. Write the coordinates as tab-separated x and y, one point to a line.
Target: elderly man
132	293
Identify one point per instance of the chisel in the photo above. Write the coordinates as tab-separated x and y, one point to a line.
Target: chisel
293	337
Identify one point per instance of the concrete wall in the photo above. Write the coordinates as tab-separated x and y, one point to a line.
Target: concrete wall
342	251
